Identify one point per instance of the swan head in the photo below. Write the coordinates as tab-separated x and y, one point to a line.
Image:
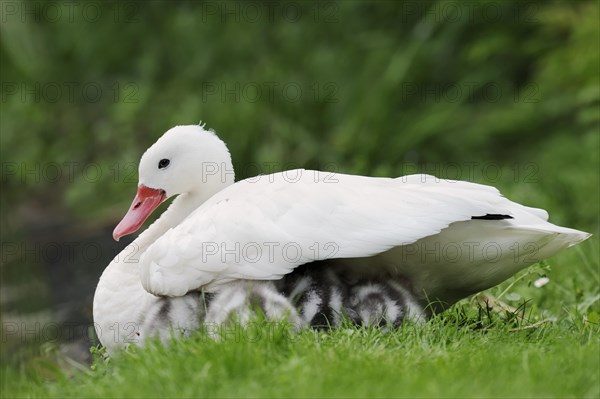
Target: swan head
186	160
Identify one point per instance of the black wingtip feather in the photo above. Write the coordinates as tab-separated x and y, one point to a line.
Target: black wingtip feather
492	216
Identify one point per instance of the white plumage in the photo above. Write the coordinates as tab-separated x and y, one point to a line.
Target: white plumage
263	229
416	227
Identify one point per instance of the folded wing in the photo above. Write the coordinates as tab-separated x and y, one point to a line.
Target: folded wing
263	228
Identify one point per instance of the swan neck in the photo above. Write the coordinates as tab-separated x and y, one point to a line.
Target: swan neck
178	211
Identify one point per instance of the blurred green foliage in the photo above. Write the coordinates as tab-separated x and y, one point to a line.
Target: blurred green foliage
503	92
387	88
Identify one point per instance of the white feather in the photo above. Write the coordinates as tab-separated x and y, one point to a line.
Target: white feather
417	228
264	228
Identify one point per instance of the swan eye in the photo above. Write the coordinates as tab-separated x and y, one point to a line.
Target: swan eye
163	163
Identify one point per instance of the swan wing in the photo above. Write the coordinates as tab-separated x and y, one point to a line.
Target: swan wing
264	227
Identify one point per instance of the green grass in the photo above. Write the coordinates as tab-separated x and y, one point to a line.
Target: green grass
468	351
442	359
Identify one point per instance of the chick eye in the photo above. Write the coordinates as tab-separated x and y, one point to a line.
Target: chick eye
163	163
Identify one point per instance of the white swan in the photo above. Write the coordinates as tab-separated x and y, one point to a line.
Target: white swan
448	239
